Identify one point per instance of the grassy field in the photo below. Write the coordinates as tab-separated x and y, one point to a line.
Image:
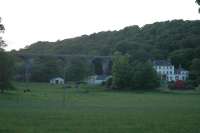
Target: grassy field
47	110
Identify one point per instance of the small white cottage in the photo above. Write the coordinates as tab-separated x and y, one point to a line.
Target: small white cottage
57	80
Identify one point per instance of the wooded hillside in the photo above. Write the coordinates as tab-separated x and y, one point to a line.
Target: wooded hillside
177	39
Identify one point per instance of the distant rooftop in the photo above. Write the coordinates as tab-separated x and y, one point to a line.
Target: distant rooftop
101	77
179	70
162	63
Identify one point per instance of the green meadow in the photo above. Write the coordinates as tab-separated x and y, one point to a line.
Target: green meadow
51	109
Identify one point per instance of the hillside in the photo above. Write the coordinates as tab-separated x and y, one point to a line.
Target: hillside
177	39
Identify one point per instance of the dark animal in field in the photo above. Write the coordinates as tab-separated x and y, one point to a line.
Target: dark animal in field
27	90
80	82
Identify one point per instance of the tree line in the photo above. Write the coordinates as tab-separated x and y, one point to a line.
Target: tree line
133	46
175	40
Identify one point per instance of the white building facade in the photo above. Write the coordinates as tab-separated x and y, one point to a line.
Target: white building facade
168	72
57	80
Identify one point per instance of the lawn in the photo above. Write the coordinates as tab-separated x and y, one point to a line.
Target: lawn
92	110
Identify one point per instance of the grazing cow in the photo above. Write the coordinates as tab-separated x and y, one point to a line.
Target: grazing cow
27	90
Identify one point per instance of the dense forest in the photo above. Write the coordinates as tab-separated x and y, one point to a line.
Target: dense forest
177	40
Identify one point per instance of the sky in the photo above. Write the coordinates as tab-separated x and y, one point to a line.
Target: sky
29	21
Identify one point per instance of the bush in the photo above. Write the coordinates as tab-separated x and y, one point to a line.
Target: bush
144	76
171	85
108	83
180	84
189	84
198	88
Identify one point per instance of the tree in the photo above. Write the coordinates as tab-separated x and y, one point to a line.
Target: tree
136	75
144	76
2	42
77	70
198	2
6	65
121	71
6	70
43	69
195	71
183	57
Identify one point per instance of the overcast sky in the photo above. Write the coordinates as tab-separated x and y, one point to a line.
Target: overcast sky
29	21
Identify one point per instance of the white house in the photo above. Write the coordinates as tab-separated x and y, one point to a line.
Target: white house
97	79
181	74
57	80
168	72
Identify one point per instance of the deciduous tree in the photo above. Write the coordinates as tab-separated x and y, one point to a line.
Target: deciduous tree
77	70
198	2
6	70
144	76
136	75
6	65
195	71
121	71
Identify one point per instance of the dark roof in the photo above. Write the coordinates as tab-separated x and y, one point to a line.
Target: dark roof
101	77
179	70
161	63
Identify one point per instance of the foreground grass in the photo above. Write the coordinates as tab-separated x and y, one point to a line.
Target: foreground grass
47	110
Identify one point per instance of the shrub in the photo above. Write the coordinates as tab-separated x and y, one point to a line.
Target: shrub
108	83
198	88
189	84
171	85
180	84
